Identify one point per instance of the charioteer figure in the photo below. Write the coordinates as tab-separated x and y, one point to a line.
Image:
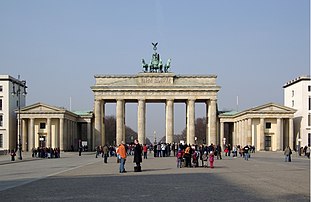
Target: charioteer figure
156	64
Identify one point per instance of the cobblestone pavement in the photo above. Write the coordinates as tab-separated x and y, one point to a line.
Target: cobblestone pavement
265	177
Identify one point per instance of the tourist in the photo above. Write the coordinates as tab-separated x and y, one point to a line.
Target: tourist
13	154
137	156
205	157
122	157
145	149
187	156
246	152
106	153
308	151
211	159
287	154
179	158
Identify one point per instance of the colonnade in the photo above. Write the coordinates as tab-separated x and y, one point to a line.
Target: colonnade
99	126
58	132
252	131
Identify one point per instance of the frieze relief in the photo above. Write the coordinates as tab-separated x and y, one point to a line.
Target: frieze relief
155	80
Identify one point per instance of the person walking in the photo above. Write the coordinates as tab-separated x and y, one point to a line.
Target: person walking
308	151
137	156
287	154
122	156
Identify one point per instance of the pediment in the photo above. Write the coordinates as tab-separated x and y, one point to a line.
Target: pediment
272	107
40	107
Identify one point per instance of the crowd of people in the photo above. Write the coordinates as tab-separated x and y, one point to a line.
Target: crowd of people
45	152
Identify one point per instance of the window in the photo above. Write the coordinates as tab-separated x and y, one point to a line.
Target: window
1	88
268	125
0	104
309	119
42	125
309	88
293	93
293	103
309	103
1	120
1	140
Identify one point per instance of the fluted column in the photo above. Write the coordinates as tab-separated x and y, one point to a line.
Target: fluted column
212	122
191	121
234	134
169	128
48	132
291	134
262	134
24	135
31	134
89	135
103	125
249	131
120	121
222	128
141	121
61	134
98	122
278	135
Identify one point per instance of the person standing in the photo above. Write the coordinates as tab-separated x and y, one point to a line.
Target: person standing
287	154
246	152
137	156
145	149
122	156
211	159
105	152
13	154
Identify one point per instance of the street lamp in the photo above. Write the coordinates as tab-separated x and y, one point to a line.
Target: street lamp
21	88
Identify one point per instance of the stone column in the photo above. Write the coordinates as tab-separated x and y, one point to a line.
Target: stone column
24	135
291	134
98	122
191	122
103	129
31	134
48	132
212	121
169	122
262	134
278	135
249	131
207	134
141	122
235	134
89	137
120	121
61	134
222	128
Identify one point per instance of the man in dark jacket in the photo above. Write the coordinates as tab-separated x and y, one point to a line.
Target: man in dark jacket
137	156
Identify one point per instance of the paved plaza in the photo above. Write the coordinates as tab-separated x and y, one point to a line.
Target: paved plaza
265	177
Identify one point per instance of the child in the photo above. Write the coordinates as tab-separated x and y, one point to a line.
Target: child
211	159
179	158
205	157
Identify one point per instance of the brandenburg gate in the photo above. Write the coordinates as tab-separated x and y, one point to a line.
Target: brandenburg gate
156	84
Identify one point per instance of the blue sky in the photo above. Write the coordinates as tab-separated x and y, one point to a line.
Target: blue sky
253	46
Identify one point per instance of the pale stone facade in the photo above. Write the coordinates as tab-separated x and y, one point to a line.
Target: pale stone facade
145	88
297	94
49	126
267	127
8	105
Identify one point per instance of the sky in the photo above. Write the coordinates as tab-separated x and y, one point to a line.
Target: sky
253	46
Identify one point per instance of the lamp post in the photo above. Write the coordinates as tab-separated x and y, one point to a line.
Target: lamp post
21	85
